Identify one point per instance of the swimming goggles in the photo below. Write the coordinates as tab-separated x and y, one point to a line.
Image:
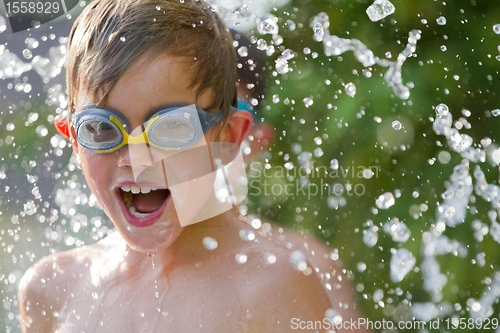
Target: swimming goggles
174	126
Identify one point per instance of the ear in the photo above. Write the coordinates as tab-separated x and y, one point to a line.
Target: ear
237	127
263	136
62	126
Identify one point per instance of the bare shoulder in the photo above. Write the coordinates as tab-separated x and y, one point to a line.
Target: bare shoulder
277	290
46	285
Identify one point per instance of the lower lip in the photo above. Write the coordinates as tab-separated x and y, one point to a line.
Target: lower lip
142	222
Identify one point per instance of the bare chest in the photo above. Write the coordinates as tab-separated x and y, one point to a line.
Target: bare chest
161	304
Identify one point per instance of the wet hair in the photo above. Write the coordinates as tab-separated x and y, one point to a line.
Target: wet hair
250	69
110	35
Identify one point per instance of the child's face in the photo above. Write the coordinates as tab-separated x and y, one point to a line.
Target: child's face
147	85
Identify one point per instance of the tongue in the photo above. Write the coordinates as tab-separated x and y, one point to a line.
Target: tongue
150	202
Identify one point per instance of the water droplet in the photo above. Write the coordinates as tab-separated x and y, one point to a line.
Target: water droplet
270	258
318	141
243	51
361	266
95	295
288	54
350	89
262	44
276	98
247	235
380	9
398	230
442	110
281	65
10	126
495	113
241	258
443	48
396	124
141	314
210	243
3	24
30	208
268	26
441	20
31	43
496	28
27	53
385	200
158	8
334	164
298	260
318	152
378	295
497	57
123	39
370	236
402	263
308	101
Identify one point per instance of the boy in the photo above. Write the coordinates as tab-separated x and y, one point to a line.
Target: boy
129	65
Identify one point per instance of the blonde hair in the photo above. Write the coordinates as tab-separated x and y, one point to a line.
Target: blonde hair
110	35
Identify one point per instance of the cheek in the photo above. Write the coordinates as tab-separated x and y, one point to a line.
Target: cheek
95	169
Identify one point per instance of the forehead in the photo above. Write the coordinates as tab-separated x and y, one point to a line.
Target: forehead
152	80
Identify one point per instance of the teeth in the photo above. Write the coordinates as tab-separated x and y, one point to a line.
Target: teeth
145	190
137	189
136	213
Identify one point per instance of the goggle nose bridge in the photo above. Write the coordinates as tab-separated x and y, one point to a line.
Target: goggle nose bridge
134	139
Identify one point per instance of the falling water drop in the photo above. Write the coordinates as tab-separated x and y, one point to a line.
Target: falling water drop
496	28
442	110
396	124
268	26
247	235
334	164
243	51
402	263
298	260
262	44
210	243
3	24
30	208
441	20
350	89
385	200
308	101
270	258
27	53
380	9
241	258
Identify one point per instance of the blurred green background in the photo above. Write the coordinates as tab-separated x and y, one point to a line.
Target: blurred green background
356	131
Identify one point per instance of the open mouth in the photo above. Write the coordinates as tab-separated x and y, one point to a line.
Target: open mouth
143	205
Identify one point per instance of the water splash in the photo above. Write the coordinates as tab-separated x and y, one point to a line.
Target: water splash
334	46
379	10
